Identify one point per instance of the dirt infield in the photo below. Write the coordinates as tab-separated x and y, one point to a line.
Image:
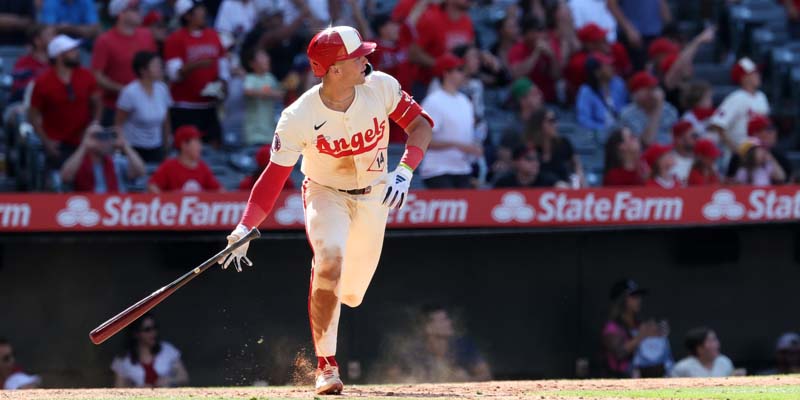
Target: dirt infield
540	390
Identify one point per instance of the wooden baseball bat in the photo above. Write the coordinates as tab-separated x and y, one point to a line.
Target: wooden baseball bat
123	319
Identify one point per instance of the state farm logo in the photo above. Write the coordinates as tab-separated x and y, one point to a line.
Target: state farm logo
292	211
513	207
723	205
78	212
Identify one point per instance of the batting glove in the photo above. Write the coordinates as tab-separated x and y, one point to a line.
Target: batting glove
238	256
397	184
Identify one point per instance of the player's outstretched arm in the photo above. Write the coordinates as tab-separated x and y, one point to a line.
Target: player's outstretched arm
262	199
420	132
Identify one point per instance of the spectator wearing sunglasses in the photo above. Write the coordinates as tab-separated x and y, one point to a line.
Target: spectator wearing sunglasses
11	375
148	361
557	157
64	102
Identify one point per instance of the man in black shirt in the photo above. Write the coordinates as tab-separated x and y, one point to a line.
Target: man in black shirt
526	172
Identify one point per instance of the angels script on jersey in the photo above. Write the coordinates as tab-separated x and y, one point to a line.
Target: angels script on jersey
359	143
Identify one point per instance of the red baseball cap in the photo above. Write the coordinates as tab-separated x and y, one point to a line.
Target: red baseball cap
742	68
186	133
662	46
334	44
263	155
447	62
667	62
758	123
706	148
654	153
592	32
642	80
681	128
152	18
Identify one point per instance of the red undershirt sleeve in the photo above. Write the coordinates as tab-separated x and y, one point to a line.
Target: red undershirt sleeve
264	193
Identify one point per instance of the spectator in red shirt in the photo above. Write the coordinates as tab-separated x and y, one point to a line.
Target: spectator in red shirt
439	31
533	57
31	65
704	170
593	40
112	53
622	153
186	172
197	67
661	162
391	55
92	168
262	159
64	102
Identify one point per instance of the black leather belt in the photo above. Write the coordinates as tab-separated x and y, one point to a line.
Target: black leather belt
366	190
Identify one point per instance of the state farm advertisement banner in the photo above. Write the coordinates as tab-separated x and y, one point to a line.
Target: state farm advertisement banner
425	209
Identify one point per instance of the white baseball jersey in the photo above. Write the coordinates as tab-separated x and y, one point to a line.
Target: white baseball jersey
327	139
735	111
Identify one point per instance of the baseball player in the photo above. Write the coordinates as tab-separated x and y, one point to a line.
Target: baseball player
341	129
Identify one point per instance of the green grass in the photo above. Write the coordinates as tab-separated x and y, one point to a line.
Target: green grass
701	393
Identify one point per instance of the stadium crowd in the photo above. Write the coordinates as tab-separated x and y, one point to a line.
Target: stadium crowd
527	96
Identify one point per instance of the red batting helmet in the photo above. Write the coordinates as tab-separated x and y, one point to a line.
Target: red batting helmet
336	44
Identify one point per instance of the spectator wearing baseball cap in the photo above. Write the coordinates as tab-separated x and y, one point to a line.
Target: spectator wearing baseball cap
77	18
603	95
624	332
732	116
113	51
197	69
186	172
641	22
649	116
704	359
623	166
262	159
661	161
704	169
533	57
447	164
683	141
758	166
585	12
64	102
762	128
593	41
787	354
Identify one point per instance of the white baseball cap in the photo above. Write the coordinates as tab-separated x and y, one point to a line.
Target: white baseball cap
788	341
61	44
183	6
116	7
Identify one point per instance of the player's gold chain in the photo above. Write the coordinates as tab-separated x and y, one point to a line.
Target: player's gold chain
329	100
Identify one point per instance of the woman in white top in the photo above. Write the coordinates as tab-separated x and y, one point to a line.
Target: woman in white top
142	107
147	360
704	358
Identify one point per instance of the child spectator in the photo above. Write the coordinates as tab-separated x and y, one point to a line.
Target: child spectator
93	168
113	51
761	128
704	170
447	164
625	331
533	57
661	162
683	143
31	65
557	158
77	18
64	102
261	91
148	361
704	359
197	68
649	116
698	101
11	375
142	108
186	172
622	155
602	97
758	167
731	118
526	172
262	159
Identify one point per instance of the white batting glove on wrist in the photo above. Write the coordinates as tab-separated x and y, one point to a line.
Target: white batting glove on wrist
397	184
238	256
